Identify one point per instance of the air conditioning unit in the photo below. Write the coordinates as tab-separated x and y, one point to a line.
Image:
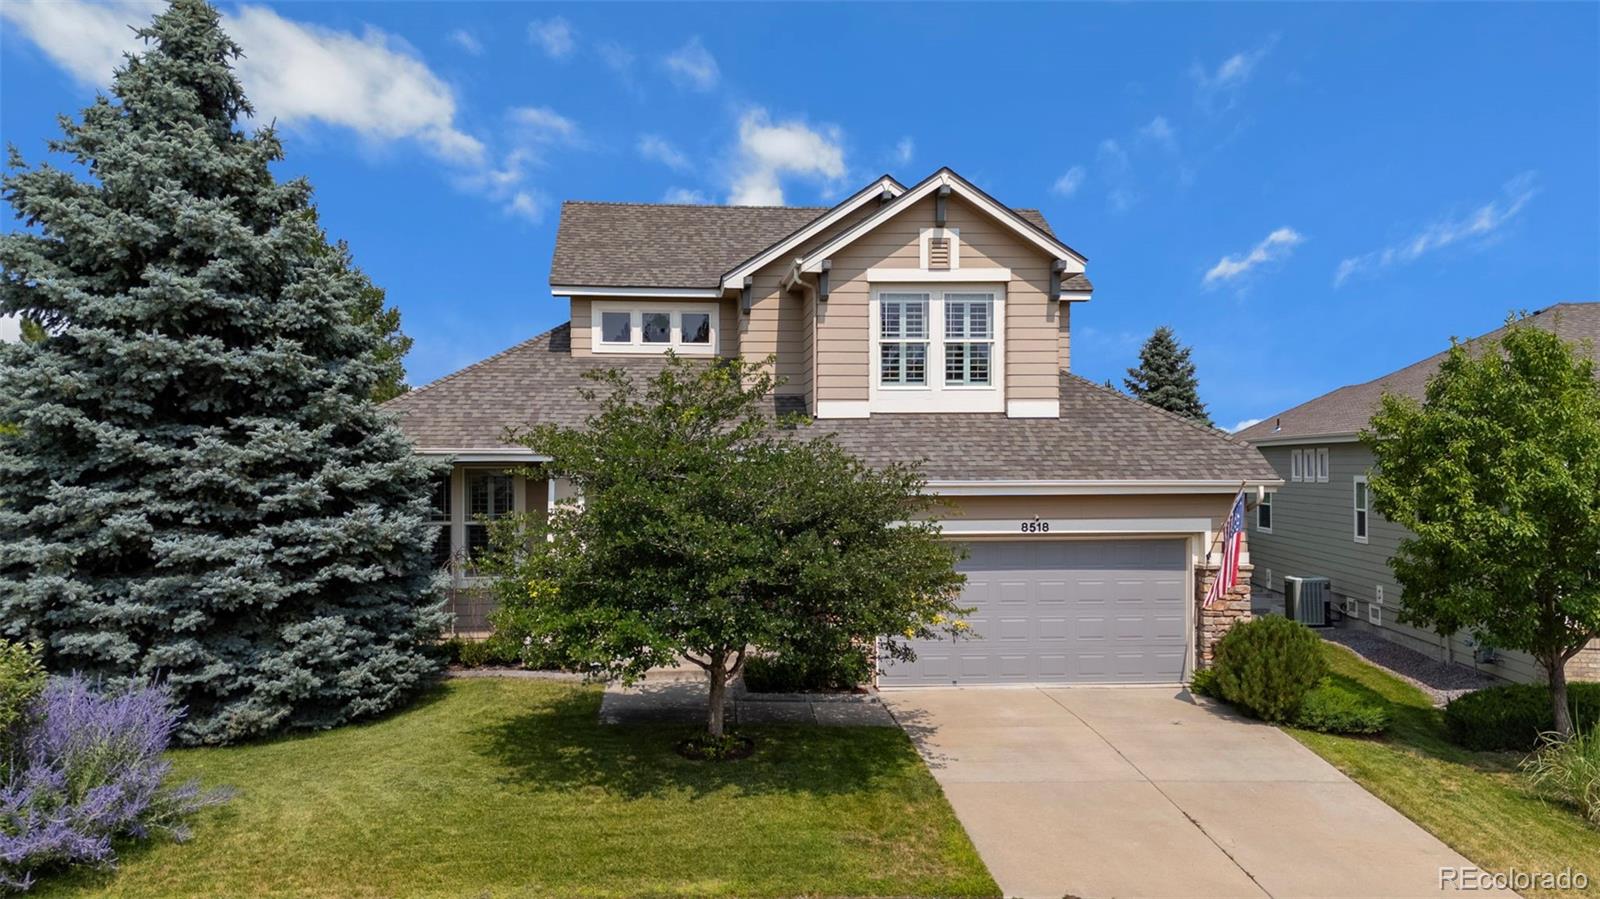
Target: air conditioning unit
1306	599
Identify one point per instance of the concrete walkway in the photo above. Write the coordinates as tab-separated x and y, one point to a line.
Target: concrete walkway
1098	792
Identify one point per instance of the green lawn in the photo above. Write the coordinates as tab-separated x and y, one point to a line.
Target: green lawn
1474	801
509	788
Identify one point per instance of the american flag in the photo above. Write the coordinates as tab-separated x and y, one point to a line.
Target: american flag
1228	574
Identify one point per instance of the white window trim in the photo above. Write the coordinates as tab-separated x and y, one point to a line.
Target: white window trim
461	574
935	396
1296	467
1266	503
955	246
1322	465
637	345
1356	509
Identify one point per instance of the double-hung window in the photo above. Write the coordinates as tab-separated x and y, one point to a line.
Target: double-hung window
489	496
1264	516
1360	502
903	339
968	339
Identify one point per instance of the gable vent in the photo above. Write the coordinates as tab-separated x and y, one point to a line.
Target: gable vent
939	254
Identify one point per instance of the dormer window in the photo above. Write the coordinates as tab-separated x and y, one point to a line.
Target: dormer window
619	327
937	350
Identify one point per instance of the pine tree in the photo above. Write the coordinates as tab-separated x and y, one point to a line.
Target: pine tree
1165	377
199	487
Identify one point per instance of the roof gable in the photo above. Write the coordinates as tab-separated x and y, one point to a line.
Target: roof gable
947	178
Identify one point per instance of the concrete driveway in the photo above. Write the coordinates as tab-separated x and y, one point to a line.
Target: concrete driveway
1126	792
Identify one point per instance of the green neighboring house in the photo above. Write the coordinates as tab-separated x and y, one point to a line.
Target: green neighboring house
1321	523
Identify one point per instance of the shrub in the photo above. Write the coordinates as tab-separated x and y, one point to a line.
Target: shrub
1513	716
87	769
499	650
1569	770
21	680
1266	666
1204	683
810	670
1333	709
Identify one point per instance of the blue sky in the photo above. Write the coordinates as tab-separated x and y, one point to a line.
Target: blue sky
1311	195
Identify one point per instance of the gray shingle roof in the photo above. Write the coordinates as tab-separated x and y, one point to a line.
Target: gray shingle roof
1101	434
1349	408
666	245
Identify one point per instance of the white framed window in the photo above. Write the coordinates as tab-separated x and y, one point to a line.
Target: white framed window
439	515
968	339
1296	471
620	327
490	495
903	340
937	349
1264	524
1322	465
1359	502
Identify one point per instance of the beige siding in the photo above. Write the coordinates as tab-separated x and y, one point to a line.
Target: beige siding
776	326
1065	331
1032	331
1019	508
582	341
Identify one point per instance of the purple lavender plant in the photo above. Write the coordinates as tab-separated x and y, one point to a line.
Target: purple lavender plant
85	769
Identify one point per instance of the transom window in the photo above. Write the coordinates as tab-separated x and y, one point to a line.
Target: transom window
620	328
969	338
903	339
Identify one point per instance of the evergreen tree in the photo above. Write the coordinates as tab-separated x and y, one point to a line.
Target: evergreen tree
200	488
1165	377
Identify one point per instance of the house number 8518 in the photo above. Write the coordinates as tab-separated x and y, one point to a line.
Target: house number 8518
1036	527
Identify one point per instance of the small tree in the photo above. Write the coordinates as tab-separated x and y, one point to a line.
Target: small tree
709	527
1165	377
1497	475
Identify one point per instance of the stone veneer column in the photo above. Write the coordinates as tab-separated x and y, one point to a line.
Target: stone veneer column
1231	608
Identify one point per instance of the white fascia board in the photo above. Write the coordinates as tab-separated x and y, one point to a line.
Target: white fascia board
734	279
1062	527
672	293
1056	249
507	454
1075	296
953	276
1306	438
1070	488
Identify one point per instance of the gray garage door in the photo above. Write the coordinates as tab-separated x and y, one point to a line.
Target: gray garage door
1063	611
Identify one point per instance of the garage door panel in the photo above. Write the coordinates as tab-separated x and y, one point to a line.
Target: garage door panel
1064	611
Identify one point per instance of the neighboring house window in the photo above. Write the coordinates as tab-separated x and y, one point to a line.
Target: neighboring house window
655	328
489	496
1295	470
1359	499
1322	465
1264	522
903	339
439	516
969	338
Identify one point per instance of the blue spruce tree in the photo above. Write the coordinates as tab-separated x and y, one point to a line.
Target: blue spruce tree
196	485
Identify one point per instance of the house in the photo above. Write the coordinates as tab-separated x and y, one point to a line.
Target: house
927	322
1321	522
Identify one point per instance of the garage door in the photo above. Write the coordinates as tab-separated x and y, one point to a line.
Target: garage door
1063	611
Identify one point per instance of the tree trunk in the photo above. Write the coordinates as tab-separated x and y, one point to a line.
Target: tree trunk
717	670
1557	669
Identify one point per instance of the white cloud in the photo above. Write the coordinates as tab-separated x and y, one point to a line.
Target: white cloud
686	196
293	72
1479	226
10	328
555	36
657	148
1276	245
1244	424
905	150
541	124
768	151
1160	131
619	60
1069	182
464	39
527	205
1222	83
692	66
